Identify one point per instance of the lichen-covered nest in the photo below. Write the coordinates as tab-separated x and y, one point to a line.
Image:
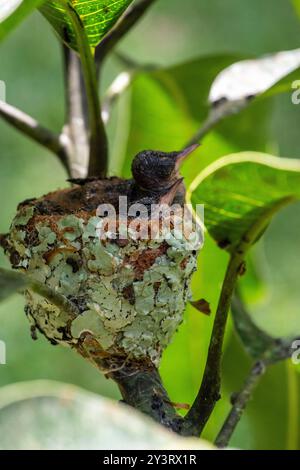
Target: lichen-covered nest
131	294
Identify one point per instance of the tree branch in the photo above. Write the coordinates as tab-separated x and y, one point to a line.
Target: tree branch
139	382
209	392
239	404
32	129
133	14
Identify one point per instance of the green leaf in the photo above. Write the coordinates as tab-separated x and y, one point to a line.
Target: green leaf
78	420
97	17
13	12
242	192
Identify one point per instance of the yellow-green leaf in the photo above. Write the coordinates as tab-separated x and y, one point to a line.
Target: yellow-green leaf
241	193
97	17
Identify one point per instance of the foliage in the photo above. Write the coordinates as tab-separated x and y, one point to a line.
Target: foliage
163	108
97	17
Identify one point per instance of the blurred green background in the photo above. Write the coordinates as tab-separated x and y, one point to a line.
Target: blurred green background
174	32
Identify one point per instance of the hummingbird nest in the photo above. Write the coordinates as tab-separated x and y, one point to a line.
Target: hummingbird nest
130	292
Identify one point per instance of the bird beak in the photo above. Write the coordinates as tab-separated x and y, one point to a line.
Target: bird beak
182	156
169	197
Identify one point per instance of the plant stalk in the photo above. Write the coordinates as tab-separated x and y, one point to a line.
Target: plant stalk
98	155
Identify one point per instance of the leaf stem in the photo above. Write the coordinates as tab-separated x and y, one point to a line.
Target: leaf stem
218	112
32	129
240	402
76	122
98	160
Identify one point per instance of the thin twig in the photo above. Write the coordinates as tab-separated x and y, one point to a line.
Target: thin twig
266	350
219	111
53	297
31	128
209	392
239	404
133	14
98	161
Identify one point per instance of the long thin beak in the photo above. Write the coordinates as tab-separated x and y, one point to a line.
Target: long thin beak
182	156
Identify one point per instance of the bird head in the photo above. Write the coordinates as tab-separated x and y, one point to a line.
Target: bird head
155	170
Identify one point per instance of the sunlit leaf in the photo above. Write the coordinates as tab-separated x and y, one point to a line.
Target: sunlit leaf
97	17
241	194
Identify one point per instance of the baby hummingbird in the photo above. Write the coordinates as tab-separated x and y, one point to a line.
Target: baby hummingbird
156	174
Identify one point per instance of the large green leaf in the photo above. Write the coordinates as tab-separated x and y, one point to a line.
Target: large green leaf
12	12
97	17
57	416
242	192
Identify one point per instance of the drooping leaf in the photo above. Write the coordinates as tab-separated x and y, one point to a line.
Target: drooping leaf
96	16
242	192
13	12
78	420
